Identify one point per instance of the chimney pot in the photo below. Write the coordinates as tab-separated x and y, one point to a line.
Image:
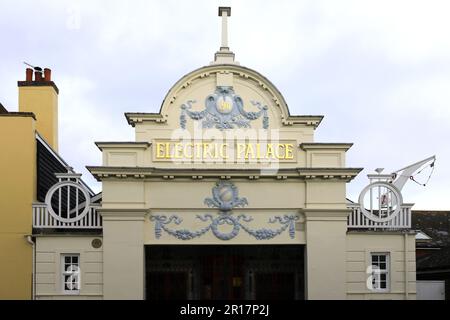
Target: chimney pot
29	75
37	74
47	74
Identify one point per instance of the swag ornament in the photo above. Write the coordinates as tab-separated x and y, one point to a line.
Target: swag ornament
225	197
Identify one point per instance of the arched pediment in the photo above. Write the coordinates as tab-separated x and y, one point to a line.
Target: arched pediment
224	96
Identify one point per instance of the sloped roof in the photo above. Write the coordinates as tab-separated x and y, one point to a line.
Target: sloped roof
438	260
3	109
435	224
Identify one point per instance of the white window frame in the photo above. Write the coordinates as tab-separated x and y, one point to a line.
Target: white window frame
64	273
385	271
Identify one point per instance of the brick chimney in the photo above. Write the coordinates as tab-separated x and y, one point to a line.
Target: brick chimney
39	94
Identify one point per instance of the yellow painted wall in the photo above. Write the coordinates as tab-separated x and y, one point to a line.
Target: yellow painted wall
43	102
17	192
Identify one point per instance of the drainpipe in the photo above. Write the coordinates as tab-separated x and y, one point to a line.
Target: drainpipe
406	265
33	285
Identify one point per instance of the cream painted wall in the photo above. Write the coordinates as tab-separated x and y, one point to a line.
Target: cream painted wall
326	194
261	194
48	266
402	252
325	254
123	270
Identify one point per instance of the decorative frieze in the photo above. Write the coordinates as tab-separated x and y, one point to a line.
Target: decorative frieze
225	197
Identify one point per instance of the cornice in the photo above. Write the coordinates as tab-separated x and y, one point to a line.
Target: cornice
38	84
71	234
307	120
139	117
382	231
18	114
322	145
325	214
123	214
102	173
124	144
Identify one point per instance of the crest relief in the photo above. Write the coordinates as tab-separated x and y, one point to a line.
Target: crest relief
224	110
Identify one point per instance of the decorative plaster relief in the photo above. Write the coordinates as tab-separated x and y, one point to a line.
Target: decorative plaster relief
225	198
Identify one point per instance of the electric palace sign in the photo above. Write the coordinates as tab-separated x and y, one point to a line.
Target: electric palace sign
223	151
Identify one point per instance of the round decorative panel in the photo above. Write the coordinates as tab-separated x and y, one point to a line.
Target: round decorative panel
380	201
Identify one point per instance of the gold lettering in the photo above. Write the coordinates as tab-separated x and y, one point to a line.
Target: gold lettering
198	150
277	151
269	152
211	150
216	151
247	152
189	155
258	151
167	155
240	150
159	150
178	152
226	106
223	151
289	151
207	150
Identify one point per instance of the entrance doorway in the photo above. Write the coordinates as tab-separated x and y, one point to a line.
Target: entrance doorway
225	272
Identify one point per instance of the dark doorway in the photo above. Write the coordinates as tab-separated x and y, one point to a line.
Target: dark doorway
225	272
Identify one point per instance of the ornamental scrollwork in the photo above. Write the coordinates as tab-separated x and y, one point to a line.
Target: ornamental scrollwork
224	110
162	221
225	197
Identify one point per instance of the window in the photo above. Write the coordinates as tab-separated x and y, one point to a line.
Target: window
70	264
380	271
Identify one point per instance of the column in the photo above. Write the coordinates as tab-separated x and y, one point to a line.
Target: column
326	254
123	253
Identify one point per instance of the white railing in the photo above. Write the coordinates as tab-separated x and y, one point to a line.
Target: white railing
357	220
42	219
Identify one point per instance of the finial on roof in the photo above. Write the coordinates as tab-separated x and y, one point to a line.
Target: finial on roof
224	12
224	55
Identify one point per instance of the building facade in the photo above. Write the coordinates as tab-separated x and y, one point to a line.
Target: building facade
29	140
223	195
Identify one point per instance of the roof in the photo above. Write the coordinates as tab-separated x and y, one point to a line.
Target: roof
58	158
422	236
435	224
438	260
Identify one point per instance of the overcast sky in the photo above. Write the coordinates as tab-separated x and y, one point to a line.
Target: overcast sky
379	71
